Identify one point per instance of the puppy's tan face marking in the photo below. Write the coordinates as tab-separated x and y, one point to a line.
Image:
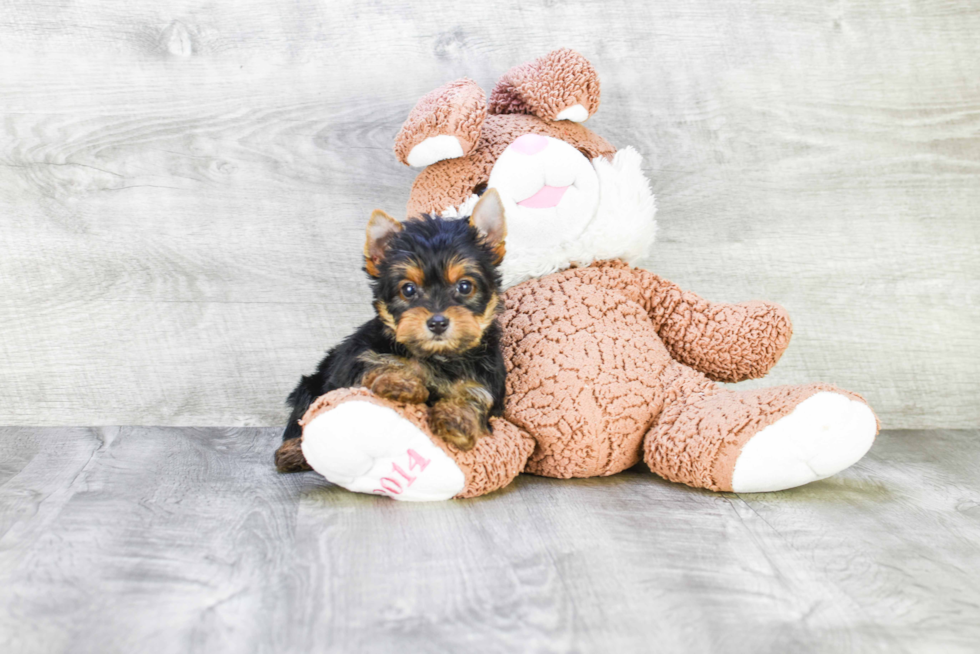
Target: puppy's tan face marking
486	318
455	271
385	315
410	272
465	330
411	330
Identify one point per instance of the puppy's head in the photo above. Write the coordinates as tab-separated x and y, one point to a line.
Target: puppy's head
435	281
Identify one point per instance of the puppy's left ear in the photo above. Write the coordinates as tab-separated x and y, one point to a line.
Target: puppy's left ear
381	227
488	218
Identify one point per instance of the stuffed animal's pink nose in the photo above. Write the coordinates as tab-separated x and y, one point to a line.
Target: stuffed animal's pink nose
530	144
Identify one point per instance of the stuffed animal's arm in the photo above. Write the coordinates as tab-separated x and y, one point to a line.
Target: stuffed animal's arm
726	342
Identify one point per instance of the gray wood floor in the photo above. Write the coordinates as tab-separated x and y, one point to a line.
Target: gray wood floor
185	540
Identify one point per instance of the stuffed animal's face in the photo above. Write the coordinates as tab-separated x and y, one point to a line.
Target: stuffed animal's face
549	186
558	181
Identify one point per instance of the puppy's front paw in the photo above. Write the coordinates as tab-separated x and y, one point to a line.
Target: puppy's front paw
456	423
397	386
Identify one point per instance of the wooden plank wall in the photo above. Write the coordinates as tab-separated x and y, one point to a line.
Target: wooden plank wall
183	185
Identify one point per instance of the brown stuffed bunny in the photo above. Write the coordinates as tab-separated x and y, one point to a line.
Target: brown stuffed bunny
607	364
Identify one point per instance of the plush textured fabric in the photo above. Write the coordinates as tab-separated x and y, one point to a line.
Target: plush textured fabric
726	342
546	86
495	460
491	464
591	364
456	109
583	367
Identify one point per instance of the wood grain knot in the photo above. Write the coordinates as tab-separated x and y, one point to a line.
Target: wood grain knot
176	39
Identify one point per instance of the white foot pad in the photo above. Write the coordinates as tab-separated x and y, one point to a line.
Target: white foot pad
823	435
367	448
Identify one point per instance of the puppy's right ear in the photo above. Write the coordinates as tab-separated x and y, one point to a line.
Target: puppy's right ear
381	227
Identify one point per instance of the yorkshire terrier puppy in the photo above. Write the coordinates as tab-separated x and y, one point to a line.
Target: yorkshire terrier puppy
435	338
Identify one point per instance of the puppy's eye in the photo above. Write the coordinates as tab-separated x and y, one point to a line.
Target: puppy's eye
409	290
464	287
480	188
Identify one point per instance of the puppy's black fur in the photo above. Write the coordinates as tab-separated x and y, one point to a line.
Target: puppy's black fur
422	270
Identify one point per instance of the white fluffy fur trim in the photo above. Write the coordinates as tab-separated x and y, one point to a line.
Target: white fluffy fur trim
624	226
462	210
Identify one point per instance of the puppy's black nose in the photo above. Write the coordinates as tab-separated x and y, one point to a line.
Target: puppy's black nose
438	324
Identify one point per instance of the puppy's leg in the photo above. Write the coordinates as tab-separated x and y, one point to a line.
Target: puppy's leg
289	456
396	378
460	415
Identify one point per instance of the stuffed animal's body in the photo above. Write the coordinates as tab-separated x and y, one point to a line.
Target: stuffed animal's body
607	364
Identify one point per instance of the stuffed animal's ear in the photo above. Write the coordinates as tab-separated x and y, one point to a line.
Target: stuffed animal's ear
488	218
562	85
444	124
381	227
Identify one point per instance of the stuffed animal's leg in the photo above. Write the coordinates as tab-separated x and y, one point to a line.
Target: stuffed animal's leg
759	440
726	342
368	444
